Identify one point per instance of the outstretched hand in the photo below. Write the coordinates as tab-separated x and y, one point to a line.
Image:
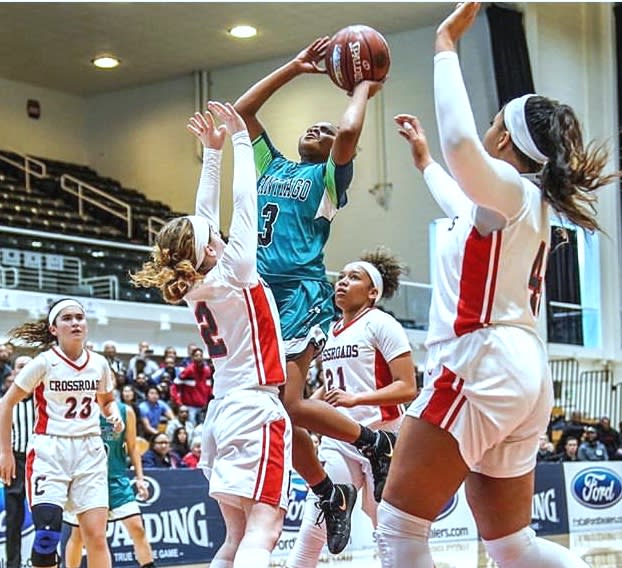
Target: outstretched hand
204	128
311	55
230	118
454	26
410	129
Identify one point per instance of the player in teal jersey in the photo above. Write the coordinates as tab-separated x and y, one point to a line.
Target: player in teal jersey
296	203
123	506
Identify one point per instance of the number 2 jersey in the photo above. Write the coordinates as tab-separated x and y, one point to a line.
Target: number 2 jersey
296	204
65	391
356	359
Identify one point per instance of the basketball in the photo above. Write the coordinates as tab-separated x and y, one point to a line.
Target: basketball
357	53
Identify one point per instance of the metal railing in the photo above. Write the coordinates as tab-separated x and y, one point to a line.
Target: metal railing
106	287
5	280
26	167
97	197
153	226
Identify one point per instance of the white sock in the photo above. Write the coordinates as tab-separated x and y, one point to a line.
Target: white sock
221	564
523	549
255	557
311	538
402	538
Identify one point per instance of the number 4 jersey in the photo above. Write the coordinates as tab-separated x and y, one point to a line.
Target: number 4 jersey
356	359
65	391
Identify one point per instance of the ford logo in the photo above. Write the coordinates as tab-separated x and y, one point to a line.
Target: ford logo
448	509
296	507
597	488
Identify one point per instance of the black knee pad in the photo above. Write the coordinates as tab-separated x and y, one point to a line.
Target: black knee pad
48	522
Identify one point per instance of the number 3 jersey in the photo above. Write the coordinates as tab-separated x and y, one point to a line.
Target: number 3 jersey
356	359
296	203
65	391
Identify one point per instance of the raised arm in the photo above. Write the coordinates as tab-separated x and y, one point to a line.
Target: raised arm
207	203
488	182
450	198
241	251
351	123
253	99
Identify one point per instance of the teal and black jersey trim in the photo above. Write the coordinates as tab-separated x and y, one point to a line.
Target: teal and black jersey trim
296	204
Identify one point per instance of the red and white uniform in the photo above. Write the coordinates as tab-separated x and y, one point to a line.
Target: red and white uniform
66	462
356	359
486	372
65	391
238	321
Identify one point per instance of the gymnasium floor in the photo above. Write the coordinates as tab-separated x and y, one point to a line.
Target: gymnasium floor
598	549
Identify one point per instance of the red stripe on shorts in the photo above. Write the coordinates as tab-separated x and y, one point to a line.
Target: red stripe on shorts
30	458
269	483
42	410
443	398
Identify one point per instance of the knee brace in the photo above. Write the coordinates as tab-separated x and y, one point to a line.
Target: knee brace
48	522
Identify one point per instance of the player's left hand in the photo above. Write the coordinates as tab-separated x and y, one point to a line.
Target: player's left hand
338	397
204	128
454	26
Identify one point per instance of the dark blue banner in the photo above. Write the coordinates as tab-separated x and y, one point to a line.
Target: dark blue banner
549	513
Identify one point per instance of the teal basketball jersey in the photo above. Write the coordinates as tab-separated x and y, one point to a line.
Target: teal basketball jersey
115	445
296	203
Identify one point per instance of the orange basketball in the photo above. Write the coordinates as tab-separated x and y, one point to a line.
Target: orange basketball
355	54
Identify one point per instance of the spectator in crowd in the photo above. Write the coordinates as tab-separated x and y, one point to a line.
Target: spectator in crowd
141	385
188	359
573	429
191	459
181	420
5	364
570	453
169	351
609	437
159	454
180	443
144	355
165	392
193	387
153	411
168	369
116	364
546	449
22	427
591	449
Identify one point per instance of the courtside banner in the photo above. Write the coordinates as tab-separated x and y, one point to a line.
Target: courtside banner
455	521
593	495
28	532
549	514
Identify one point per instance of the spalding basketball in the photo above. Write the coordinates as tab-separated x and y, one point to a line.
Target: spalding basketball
355	54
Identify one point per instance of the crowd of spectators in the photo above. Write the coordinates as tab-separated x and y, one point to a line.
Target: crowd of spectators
579	439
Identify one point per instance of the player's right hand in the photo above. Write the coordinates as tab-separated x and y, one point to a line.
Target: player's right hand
203	127
7	467
232	121
313	54
409	128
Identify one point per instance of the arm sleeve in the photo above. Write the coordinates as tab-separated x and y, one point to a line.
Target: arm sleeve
488	182
208	193
445	190
31	374
241	251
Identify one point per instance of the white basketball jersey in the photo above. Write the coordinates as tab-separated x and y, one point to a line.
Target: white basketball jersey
65	391
496	279
240	328
355	359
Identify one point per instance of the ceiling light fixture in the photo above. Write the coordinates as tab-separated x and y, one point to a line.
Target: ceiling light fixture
243	32
106	62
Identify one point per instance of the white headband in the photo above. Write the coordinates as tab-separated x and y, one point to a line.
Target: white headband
202	232
68	303
516	123
372	272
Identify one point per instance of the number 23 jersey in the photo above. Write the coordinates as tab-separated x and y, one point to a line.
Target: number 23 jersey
356	359
65	391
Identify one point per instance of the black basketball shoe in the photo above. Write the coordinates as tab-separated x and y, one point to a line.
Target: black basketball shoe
379	454
336	512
